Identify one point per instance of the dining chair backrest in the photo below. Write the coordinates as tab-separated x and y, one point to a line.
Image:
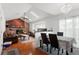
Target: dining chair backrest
53	40
44	38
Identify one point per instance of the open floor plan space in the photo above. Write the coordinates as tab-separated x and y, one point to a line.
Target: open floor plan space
39	28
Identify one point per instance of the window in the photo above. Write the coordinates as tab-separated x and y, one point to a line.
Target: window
38	25
70	28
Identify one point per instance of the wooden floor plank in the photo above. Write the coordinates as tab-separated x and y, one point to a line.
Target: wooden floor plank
27	48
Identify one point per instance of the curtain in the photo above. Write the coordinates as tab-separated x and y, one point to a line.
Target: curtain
70	28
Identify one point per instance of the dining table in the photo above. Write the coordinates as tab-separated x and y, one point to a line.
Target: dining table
66	43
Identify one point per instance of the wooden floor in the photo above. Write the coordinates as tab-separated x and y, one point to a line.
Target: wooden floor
27	48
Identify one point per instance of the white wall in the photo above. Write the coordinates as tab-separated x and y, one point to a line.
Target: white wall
51	23
2	28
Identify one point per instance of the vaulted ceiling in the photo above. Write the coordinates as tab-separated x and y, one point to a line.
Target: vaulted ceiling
34	11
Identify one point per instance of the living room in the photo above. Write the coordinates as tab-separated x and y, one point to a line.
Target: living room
24	23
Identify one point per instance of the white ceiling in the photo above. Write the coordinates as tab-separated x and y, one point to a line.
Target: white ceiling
14	10
36	14
33	10
54	8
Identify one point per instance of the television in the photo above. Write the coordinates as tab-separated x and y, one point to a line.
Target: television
42	29
60	33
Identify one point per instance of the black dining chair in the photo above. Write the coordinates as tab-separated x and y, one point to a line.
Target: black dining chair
44	40
54	42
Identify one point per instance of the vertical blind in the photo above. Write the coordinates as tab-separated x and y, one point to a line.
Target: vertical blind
70	28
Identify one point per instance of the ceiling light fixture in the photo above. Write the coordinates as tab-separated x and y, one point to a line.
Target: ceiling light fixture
66	8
